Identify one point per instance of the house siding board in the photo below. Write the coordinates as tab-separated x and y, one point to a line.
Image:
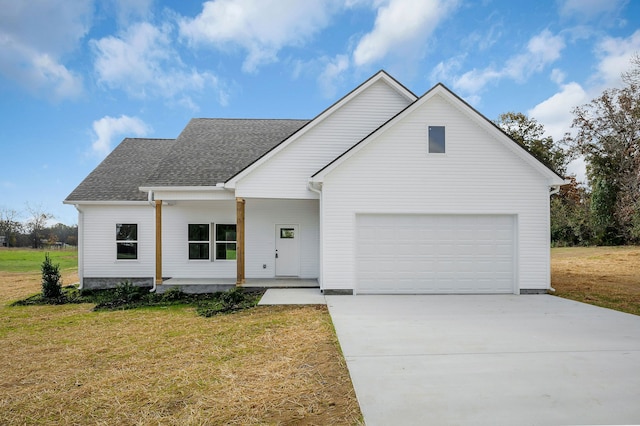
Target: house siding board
286	174
394	174
261	217
175	251
99	241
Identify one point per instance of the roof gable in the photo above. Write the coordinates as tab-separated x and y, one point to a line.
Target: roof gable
465	108
379	76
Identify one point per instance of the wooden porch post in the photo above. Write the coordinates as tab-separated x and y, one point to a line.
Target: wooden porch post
240	241
158	242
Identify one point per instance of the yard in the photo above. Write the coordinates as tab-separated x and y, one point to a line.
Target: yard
268	365
69	365
603	276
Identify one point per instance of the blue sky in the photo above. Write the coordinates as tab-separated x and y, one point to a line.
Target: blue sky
76	77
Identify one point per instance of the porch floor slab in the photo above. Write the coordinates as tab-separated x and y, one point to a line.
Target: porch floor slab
293	296
249	282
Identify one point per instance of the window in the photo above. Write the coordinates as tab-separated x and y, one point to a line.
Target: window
126	241
225	242
436	140
199	241
287	233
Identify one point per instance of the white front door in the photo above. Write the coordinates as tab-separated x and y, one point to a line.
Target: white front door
287	251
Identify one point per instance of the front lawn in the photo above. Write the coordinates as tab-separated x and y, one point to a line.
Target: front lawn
65	364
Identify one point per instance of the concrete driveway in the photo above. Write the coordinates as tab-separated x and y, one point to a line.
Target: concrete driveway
494	360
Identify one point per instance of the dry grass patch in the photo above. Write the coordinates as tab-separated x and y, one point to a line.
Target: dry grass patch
267	365
603	276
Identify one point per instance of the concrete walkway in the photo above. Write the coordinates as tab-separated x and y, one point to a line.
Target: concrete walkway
293	296
492	360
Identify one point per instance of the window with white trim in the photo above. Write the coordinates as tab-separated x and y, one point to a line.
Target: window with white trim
226	244
436	140
126	241
199	241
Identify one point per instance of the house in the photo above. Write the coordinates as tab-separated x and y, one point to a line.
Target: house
383	192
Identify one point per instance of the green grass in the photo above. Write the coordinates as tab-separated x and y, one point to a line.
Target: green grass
29	260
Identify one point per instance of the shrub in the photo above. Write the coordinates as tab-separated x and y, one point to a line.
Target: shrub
173	294
51	279
127	292
228	301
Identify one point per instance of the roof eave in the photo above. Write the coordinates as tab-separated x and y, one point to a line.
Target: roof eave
105	202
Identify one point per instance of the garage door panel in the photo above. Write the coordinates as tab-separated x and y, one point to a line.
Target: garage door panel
435	254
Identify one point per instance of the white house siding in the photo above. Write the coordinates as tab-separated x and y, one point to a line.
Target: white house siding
176	218
395	174
286	174
99	244
261	217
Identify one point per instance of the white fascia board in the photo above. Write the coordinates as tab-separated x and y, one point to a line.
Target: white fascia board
381	75
106	203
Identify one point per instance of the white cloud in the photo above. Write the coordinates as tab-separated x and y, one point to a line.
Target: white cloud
128	11
558	76
142	63
331	75
446	70
555	112
108	128
542	49
260	27
615	54
35	36
399	22
590	8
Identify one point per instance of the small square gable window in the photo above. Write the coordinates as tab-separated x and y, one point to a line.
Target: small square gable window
436	140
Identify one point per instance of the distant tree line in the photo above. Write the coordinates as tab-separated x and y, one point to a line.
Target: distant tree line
34	231
606	134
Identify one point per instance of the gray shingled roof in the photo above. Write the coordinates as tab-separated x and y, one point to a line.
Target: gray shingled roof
208	151
120	174
212	150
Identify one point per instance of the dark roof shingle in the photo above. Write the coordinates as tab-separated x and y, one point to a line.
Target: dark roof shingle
208	151
119	175
212	150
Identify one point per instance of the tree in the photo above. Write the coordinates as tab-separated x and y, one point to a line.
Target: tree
570	224
51	286
633	75
36	223
63	233
530	134
9	226
570	216
608	136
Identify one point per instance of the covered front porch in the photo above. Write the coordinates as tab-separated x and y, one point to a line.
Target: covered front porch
274	243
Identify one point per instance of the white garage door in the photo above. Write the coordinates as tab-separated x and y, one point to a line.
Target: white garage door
435	253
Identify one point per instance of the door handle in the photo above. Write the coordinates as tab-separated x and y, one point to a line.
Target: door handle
276	254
